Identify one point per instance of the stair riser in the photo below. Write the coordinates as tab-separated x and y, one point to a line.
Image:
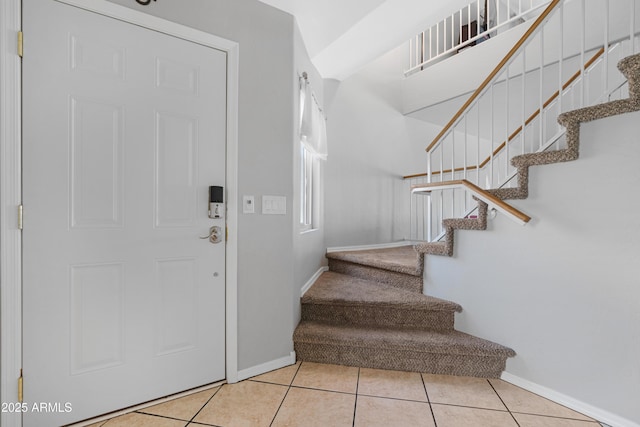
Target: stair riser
399	280
378	316
431	363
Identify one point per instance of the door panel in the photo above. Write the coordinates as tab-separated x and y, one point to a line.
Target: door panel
175	170
97	317
96	164
124	131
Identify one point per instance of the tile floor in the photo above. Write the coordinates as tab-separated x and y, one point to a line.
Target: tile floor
311	394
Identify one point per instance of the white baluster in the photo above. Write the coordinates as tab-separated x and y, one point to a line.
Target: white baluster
583	30
507	105
477	103
540	92
522	105
491	136
605	73
632	25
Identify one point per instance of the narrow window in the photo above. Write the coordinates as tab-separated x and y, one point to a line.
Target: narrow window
313	150
308	168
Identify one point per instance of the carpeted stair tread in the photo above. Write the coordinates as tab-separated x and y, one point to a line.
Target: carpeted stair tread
339	289
436	248
418	341
402	259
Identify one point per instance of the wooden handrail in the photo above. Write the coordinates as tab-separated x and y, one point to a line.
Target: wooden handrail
528	121
552	98
478	192
420	175
495	71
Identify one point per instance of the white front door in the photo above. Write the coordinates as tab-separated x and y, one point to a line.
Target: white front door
124	132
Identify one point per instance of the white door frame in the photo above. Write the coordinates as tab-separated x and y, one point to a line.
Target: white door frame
11	185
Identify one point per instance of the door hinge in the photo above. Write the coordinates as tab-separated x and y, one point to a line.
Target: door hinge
20	209
20	44
20	387
226	233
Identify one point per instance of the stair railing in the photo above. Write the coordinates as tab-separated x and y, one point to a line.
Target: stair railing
473	24
477	192
514	111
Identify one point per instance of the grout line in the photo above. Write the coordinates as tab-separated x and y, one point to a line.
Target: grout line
166	417
470	407
558	417
296	374
268	382
322	389
424	385
279	406
293	378
154	415
197	423
548	400
206	403
254	380
285	395
355	404
505	405
394	398
139	408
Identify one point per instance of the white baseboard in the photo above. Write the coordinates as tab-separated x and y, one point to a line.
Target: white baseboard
312	280
365	247
267	366
584	408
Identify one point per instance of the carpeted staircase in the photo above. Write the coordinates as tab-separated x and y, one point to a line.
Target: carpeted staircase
630	68
369	311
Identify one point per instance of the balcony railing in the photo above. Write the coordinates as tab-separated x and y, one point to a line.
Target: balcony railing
473	24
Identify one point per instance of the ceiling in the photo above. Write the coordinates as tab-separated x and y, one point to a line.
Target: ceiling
342	36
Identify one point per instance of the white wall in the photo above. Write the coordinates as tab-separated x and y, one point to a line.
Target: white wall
266	116
468	69
371	146
562	291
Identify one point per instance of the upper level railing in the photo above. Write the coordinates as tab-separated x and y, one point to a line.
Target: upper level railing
473	24
566	60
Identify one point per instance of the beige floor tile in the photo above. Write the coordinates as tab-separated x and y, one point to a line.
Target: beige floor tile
458	416
395	384
462	391
327	377
315	408
98	424
526	420
282	376
379	412
520	400
245	404
183	408
142	420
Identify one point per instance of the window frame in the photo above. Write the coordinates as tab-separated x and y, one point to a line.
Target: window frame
308	193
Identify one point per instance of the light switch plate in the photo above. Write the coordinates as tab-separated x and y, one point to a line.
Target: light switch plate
248	204
274	205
